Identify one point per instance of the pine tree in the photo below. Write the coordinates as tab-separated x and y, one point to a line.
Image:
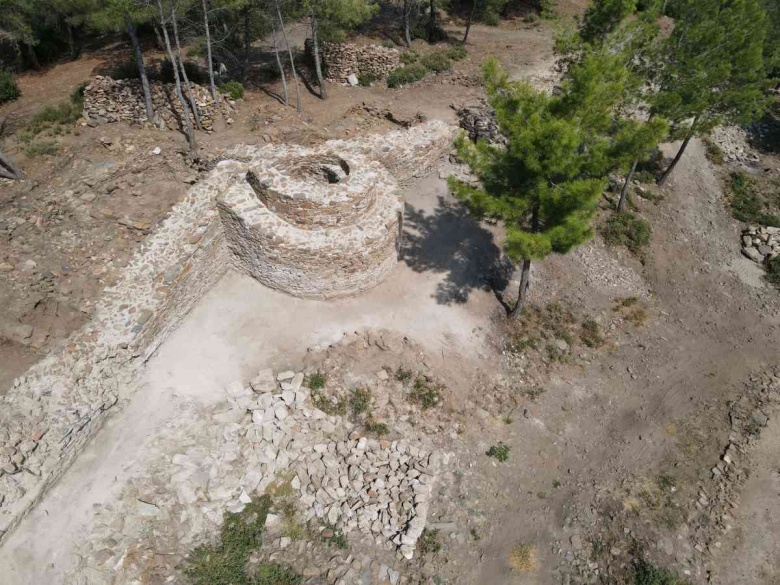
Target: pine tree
712	67
544	186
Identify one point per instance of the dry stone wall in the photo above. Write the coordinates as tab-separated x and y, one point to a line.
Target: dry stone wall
53	410
345	59
114	100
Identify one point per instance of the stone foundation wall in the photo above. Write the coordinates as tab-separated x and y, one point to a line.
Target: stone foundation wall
114	100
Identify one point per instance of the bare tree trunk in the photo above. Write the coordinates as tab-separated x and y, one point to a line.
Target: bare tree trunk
292	61
522	294
317	65
432	21
247	43
407	25
8	168
680	152
212	85
185	108
187	85
279	64
621	206
471	18
139	59
33	57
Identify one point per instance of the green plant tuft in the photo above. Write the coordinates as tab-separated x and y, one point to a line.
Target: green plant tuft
456	52
627	229
409	57
425	393
591	333
429	542
436	62
406	75
366	79
745	203
233	88
648	574
316	381
499	451
359	401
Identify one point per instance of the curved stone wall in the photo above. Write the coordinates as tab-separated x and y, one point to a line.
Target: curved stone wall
310	232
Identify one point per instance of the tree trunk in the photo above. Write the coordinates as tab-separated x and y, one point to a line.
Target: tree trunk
185	108
621	206
139	59
471	18
680	152
292	61
407	25
8	168
247	43
432	22
522	293
279	64
317	65
32	56
179	56
72	45
212	85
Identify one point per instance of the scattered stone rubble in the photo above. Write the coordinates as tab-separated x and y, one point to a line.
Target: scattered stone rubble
113	100
268	434
345	59
760	243
479	122
733	141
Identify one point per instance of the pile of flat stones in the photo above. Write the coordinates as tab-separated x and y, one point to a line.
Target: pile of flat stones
760	243
733	141
378	487
345	59
479	122
113	100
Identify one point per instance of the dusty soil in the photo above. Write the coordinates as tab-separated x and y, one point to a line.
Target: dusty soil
609	446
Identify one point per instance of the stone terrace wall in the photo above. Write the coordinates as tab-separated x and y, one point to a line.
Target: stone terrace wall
114	100
345	59
56	407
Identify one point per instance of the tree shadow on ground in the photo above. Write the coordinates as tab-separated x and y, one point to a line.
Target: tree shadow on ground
452	242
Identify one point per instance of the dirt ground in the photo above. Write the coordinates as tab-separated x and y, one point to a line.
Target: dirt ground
610	447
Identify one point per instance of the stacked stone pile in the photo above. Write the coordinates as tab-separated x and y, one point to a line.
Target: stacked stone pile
345	59
112	100
480	123
759	243
733	141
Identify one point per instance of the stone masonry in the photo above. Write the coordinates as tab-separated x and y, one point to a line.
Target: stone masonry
52	411
345	59
313	224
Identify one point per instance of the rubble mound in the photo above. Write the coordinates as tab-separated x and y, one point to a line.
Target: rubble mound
760	243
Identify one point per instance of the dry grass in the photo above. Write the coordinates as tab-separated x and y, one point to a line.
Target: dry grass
523	557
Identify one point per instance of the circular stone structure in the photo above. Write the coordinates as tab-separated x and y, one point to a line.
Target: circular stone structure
313	223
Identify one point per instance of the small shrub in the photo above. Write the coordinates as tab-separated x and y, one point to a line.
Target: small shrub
547	9
388	44
233	88
316	381
456	52
773	270
491	18
429	542
9	90
637	317
714	152
403	375
436	62
224	563
406	75
366	79
409	57
627	229
591	333
621	302
424	393
648	574
40	148
745	203
499	451
334	406
126	70
359	401
522	557
335	537
275	574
